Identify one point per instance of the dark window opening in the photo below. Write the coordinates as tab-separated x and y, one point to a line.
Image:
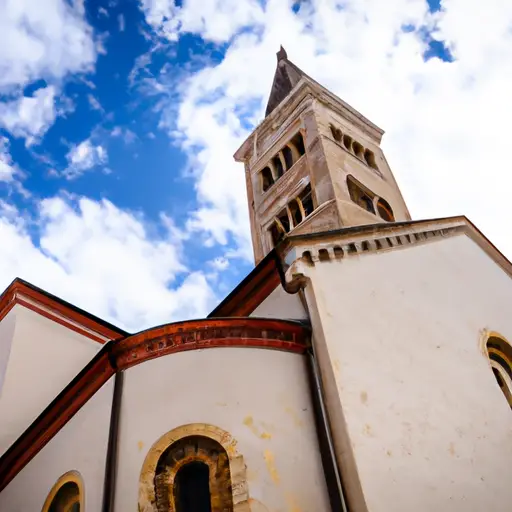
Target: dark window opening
288	157
366	203
298	142
358	149
67	496
284	220
202	480
306	255
192	488
267	180
370	159
306	199
359	196
336	133
347	141
296	213
499	378
278	166
323	255
385	210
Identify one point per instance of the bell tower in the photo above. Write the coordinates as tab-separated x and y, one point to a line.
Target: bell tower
314	164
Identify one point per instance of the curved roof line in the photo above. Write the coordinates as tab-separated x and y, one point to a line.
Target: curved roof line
119	355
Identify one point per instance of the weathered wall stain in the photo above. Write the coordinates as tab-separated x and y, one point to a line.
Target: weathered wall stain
368	431
269	460
292	503
249	422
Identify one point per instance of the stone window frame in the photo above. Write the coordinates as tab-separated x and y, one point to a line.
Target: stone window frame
269	174
498	351
354	147
297	201
378	202
70	476
237	467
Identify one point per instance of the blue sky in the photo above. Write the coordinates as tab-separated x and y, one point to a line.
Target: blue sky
118	121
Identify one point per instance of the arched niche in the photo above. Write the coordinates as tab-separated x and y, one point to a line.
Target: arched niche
66	495
499	352
199	443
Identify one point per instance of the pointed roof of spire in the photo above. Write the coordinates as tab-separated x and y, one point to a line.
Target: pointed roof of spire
286	77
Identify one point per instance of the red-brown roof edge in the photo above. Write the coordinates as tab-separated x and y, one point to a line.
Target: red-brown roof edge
58	306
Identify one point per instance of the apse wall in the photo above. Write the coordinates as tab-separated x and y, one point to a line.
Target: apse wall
258	397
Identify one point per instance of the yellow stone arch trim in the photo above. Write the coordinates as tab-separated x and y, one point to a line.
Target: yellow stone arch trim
506	381
484	338
70	476
147	498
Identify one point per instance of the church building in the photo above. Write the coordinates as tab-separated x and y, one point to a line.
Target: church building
364	364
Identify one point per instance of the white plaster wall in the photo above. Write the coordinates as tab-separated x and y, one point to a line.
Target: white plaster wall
260	397
428	425
44	357
281	304
81	446
6	336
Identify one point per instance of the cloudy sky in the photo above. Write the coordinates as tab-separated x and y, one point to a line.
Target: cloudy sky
119	119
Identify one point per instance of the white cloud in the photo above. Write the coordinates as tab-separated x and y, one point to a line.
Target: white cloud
7	167
446	123
105	260
100	43
42	40
94	103
127	135
121	22
29	116
83	157
216	20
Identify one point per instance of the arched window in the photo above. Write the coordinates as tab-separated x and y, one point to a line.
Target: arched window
192	488
500	356
370	159
193	475
298	142
347	142
288	157
360	196
336	133
358	149
385	210
267	180
278	166
66	495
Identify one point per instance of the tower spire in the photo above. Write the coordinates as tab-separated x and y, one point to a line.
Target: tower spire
281	54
